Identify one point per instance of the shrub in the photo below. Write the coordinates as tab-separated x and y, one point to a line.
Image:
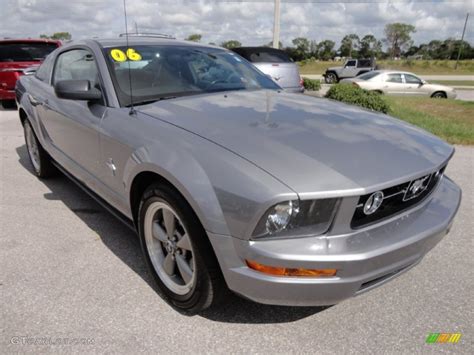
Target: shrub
356	96
311	84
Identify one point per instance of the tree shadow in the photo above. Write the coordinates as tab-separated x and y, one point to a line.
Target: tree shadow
124	243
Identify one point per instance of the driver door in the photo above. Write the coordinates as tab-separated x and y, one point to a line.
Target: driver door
414	85
350	69
72	125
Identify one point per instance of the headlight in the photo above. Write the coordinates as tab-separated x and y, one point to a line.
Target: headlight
297	218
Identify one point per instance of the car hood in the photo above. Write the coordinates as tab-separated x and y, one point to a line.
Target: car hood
435	87
315	146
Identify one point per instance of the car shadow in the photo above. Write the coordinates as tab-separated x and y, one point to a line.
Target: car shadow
124	243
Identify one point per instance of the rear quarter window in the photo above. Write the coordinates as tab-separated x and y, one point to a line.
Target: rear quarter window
265	55
364	64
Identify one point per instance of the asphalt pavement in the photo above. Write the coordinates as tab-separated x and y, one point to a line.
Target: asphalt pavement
72	279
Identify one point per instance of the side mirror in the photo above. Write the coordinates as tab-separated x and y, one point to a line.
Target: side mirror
77	90
422	82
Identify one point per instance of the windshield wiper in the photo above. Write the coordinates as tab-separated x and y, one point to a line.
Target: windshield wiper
146	102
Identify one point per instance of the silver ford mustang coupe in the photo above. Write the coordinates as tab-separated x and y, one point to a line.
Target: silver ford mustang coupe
232	183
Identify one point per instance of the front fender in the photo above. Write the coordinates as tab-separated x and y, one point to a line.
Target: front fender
228	193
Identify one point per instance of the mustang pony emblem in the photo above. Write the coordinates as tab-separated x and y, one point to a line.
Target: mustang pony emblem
417	187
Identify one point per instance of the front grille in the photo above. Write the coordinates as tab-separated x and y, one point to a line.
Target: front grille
396	199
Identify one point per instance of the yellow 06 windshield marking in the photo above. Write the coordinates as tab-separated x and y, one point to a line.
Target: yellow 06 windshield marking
119	56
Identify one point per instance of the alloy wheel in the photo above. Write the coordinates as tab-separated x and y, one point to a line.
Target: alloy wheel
169	247
32	146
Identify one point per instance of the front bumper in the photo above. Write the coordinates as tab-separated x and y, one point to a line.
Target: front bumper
365	258
452	94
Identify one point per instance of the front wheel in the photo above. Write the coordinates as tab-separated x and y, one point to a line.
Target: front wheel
331	78
177	250
439	95
39	158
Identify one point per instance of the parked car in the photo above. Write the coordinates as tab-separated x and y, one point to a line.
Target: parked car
16	56
232	183
401	83
275	63
350	69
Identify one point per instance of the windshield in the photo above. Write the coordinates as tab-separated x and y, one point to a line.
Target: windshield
160	72
368	76
25	51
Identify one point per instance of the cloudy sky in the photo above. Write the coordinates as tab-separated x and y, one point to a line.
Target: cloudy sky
219	20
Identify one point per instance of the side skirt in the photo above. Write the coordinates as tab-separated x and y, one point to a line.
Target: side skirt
117	214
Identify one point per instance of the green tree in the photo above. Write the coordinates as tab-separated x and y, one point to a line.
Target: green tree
349	43
65	36
398	37
231	44
326	50
370	47
195	37
302	46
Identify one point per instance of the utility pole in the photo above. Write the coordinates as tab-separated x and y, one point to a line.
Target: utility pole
136	28
276	25
462	42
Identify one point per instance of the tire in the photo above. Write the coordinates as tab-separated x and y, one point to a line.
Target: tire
39	158
439	95
8	104
331	78
185	270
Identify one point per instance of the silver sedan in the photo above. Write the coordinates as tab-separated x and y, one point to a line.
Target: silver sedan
400	83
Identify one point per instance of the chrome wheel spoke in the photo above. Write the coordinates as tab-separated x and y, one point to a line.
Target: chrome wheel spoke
184	269
158	232
169	264
170	223
184	243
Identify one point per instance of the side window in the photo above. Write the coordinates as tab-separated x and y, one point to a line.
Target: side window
76	64
364	64
351	63
394	78
411	79
44	71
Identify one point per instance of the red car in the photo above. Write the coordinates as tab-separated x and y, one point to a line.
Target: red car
16	55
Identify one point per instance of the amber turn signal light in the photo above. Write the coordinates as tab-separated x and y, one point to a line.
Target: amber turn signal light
284	271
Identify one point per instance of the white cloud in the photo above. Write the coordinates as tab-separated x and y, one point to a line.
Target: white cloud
250	23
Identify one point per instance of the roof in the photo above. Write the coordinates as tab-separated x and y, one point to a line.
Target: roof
389	71
134	41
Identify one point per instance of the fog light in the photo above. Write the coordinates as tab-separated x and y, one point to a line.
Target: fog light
284	271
